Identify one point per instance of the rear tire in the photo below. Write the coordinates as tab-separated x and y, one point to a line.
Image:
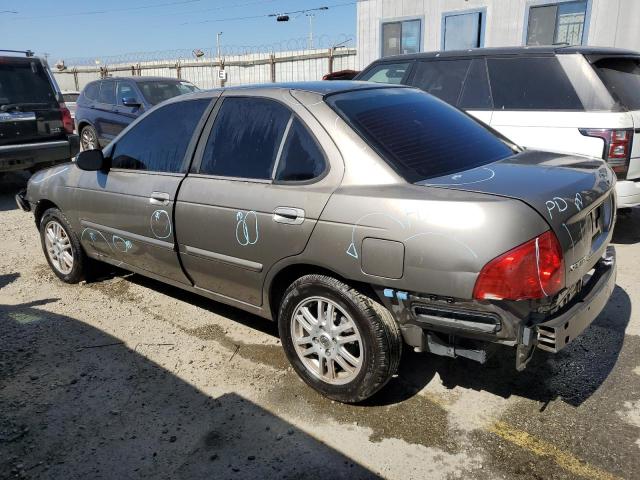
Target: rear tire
347	357
62	247
88	138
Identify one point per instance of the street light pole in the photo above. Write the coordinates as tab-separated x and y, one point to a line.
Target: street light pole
311	17
218	44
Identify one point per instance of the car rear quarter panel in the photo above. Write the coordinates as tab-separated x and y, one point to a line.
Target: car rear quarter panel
446	236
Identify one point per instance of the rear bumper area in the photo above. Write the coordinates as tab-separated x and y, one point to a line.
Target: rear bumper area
28	155
554	334
628	193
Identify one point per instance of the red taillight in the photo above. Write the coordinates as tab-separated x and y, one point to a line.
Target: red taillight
67	121
617	147
532	270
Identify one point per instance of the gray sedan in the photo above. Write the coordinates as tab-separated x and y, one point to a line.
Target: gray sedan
359	217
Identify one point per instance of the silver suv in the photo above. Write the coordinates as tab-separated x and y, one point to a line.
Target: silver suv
358	216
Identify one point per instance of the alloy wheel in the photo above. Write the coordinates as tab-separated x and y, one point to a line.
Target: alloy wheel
58	247
88	139
327	340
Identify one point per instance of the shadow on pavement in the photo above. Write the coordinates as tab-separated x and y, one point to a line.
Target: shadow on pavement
76	402
627	229
572	375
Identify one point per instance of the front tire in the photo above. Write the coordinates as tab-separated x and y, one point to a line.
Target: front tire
62	247
341	342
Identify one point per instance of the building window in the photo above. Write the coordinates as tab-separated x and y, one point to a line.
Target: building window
557	24
400	37
462	30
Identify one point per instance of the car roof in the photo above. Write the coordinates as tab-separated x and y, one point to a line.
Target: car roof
323	87
19	59
481	52
145	79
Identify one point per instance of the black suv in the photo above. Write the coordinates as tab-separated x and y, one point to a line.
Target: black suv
36	129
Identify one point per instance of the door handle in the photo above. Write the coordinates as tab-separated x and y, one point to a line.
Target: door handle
159	198
288	215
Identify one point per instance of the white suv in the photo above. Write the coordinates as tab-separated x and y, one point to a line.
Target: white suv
582	100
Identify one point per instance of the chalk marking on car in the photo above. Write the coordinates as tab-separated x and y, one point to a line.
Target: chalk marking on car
158	224
352	250
242	217
457	176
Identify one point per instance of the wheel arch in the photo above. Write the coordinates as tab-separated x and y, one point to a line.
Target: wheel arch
41	207
288	274
84	123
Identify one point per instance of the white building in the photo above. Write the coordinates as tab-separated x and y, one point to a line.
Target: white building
389	27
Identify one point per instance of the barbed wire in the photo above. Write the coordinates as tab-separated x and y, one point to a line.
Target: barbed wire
321	42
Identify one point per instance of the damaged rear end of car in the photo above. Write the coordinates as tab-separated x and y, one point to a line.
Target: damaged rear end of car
506	246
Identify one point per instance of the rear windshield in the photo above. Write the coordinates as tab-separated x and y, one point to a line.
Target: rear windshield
25	82
420	136
622	77
159	91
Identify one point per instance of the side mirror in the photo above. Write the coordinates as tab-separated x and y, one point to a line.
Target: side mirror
130	102
91	160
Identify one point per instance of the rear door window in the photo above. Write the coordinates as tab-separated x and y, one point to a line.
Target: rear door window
301	158
245	138
444	79
621	76
420	136
92	90
531	83
158	143
393	73
107	93
476	94
25	82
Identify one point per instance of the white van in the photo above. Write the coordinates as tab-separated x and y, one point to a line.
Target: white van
583	100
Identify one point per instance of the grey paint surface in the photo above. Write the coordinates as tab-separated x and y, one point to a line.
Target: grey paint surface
219	236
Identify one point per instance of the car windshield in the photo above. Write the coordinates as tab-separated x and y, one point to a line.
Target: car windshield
70	97
157	91
24	82
420	136
621	76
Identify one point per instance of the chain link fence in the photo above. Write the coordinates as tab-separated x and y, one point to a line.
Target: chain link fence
291	60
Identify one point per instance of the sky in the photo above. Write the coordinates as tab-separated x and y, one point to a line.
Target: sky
71	29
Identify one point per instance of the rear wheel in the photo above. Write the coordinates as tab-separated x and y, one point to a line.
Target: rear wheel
88	138
341	342
62	247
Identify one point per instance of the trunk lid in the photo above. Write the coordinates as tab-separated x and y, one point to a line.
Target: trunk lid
29	108
573	194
